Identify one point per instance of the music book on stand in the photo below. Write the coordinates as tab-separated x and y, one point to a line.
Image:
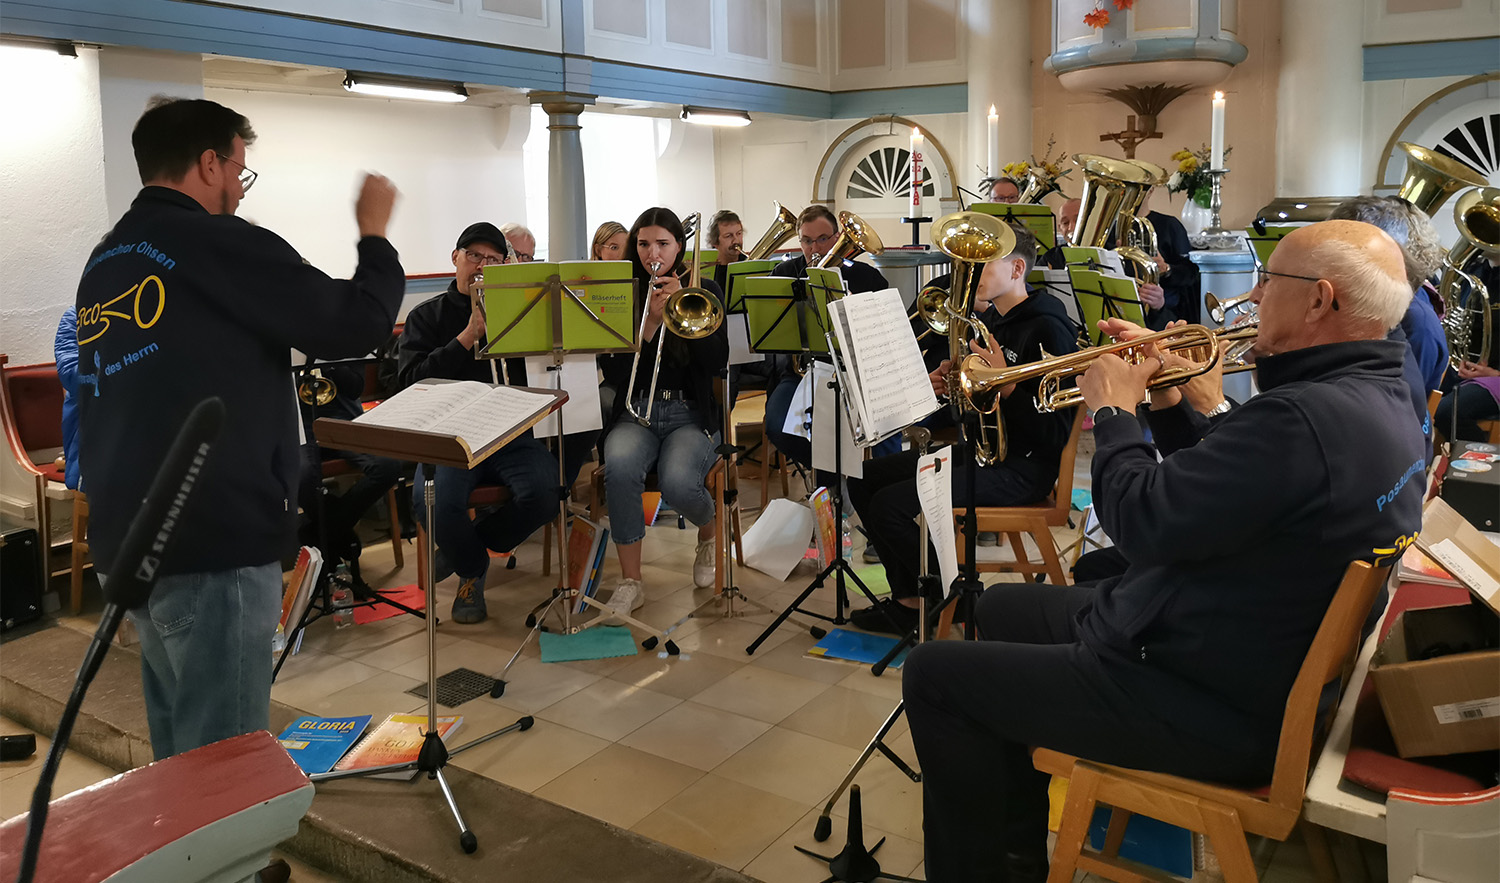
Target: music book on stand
445	423
884	379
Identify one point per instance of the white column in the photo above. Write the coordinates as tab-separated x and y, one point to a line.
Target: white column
567	224
128	79
999	56
1319	101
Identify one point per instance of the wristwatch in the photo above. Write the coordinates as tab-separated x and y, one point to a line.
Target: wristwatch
1221	408
1106	412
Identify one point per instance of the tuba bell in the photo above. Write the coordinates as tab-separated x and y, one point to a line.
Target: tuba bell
1135	235
1467	322
1109	187
855	238
782	229
1431	177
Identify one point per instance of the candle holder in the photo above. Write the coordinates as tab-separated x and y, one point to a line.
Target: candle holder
1215	236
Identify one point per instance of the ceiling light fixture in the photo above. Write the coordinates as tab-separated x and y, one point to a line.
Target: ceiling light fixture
713	116
383	86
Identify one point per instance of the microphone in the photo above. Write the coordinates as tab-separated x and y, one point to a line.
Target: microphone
140	556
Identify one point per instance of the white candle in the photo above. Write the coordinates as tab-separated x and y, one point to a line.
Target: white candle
1216	155
992	169
916	172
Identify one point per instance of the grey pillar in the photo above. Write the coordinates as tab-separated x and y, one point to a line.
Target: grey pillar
567	217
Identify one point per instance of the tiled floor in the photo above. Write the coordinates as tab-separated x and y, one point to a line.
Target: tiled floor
715	752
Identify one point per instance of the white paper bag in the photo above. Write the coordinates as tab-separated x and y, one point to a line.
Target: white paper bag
779	538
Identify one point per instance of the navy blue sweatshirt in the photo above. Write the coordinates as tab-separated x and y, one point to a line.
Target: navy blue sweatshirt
1237	541
176	305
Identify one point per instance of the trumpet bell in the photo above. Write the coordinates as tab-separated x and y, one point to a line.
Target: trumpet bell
1219	309
1431	177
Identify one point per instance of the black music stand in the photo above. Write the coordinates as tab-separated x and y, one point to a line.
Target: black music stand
839	568
417	445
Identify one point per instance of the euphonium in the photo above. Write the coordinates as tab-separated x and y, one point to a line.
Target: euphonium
855	238
1467	323
782	229
689	313
1109	186
971	240
315	389
1431	177
980	384
1037	185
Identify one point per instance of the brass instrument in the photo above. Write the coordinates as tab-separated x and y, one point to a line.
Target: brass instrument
1431	177
980	384
1219	309
1236	341
782	229
1467	323
1134	234
690	313
855	238
1110	187
971	240
1036	186
315	389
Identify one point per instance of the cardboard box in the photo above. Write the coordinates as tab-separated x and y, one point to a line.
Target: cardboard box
1449	704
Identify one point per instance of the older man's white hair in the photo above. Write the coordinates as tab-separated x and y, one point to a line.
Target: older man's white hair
1361	285
513	229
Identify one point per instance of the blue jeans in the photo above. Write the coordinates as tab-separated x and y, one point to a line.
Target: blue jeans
676	445
206	655
527	468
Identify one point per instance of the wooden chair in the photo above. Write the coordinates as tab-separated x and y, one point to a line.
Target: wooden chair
31	482
1036	520
1226	815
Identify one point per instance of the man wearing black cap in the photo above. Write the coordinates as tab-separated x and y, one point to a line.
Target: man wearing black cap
440	340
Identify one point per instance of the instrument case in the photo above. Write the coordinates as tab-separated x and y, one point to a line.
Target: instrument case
20	577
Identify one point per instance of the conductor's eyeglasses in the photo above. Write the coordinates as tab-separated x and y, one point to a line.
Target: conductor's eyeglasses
247	177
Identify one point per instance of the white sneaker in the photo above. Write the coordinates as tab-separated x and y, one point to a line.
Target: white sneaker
704	565
627	597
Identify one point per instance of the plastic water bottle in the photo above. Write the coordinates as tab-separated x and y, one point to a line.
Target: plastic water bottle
341	598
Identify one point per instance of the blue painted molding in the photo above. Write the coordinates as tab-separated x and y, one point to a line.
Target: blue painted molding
1443	58
174	25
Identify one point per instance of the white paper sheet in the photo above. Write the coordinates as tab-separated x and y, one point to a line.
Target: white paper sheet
796	413
881	352
823	420
580	380
739	340
935	492
778	539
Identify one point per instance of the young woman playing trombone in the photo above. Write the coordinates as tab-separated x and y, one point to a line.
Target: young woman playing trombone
666	419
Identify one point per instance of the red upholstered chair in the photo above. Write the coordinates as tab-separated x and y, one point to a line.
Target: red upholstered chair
1226	815
31	398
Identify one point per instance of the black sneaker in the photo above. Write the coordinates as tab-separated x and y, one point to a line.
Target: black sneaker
888	617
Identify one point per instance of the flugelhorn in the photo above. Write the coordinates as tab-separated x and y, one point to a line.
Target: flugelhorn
315	389
980	384
1467	323
782	229
1219	309
689	313
1431	177
855	238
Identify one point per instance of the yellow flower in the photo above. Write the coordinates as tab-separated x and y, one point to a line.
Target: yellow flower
1182	155
1188	166
1015	171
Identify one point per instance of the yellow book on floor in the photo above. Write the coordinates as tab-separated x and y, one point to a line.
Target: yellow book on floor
650	506
398	739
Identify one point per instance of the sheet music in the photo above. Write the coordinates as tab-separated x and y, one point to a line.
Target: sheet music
801	406
935	491
740	352
881	351
823	420
859	416
423	405
492	415
474	412
580	380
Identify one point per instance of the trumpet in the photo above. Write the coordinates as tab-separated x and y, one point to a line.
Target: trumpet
315	389
1218	309
980	384
690	313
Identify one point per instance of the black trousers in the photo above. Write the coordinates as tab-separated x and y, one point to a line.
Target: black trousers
886	500
1474	404
976	708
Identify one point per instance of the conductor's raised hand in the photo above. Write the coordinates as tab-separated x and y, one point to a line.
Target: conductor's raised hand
372	209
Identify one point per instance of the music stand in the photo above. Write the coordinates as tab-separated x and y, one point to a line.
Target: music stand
431	449
1037	218
805	301
1102	296
569	307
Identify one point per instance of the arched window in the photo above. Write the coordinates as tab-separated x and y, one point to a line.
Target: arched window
885	173
1475	142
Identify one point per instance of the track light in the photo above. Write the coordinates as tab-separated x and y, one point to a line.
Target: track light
712	116
384	86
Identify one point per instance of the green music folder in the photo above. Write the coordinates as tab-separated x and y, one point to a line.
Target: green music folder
773	312
738	271
1105	297
1036	218
579	306
1266	244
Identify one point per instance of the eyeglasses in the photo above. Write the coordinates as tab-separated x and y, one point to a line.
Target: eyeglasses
247	177
1262	276
826	237
484	260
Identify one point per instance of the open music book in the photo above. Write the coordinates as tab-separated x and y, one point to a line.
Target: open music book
447	423
883	377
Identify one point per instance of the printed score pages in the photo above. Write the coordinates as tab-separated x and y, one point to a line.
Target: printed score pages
935	492
474	412
579	376
884	362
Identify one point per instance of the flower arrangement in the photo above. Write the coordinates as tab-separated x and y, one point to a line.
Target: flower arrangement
1047	167
1100	16
1191	176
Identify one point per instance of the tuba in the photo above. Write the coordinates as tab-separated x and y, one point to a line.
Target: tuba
1467	322
1110	188
971	240
690	313
1431	177
855	238
782	229
1135	235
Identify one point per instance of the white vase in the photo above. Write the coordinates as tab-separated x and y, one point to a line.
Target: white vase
1195	217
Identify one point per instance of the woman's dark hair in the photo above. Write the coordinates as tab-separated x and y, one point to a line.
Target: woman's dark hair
667	220
173	133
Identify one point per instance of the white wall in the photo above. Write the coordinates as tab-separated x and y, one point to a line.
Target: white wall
52	208
128	79
453	164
